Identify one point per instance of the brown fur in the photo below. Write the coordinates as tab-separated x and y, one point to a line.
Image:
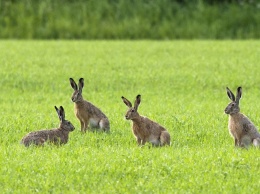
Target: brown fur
240	127
57	136
87	113
144	129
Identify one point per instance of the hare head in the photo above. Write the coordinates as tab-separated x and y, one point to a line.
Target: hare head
132	111
233	107
77	94
64	124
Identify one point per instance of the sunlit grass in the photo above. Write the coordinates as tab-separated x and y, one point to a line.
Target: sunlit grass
182	84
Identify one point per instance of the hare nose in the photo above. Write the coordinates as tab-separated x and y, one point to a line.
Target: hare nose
226	111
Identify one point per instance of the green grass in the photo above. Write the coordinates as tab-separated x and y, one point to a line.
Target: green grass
182	84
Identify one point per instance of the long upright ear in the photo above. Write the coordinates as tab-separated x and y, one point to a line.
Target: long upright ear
81	84
127	102
137	102
58	112
239	94
230	94
73	84
62	113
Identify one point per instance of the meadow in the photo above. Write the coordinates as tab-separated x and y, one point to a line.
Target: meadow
182	84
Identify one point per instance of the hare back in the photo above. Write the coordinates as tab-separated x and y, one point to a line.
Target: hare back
56	136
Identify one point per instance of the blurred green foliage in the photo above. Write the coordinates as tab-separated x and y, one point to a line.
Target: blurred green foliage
129	19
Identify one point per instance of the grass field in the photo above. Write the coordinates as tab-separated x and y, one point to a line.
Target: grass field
182	84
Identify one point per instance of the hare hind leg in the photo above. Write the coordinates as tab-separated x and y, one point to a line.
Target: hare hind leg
245	141
37	142
104	124
165	138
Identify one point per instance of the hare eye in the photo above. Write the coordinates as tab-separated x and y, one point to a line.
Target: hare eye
232	105
133	110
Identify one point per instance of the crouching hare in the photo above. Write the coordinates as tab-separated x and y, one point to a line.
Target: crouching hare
57	136
240	127
144	129
87	113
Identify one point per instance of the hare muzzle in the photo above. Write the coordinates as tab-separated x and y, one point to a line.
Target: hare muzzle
74	98
226	111
71	126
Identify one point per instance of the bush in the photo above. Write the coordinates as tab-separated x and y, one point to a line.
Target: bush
136	19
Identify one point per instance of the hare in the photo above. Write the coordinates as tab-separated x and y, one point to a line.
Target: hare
87	113
144	129
240	127
57	136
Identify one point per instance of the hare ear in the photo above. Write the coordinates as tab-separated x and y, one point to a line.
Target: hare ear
127	102
239	94
62	113
58	112
73	84
137	102
81	84
230	94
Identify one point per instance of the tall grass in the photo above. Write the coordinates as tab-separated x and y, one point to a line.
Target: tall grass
182	84
120	19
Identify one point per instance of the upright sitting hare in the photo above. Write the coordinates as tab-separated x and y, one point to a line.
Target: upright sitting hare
57	136
144	129
86	112
240	127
